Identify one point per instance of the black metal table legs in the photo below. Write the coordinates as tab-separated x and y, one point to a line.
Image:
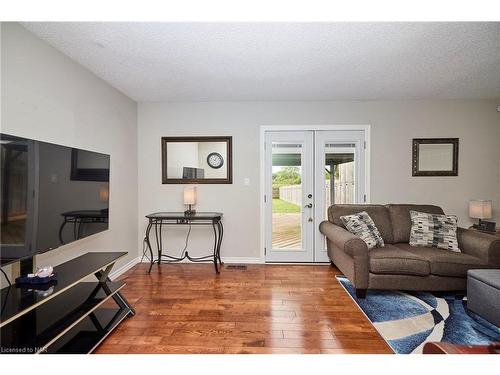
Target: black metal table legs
218	234
121	301
218	230
148	229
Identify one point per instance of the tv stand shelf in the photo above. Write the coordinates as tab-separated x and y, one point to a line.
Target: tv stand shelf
73	318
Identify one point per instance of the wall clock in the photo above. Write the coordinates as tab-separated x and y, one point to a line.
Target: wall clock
215	160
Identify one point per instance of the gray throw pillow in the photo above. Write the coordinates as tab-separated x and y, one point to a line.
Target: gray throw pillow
431	230
362	225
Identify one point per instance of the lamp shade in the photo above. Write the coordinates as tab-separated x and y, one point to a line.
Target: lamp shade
104	193
190	195
480	209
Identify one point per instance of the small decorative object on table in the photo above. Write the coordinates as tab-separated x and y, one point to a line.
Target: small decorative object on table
42	275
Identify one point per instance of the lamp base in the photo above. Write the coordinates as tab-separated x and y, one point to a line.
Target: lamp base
189	211
485	226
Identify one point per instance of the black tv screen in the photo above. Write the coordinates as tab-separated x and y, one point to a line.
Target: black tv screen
50	195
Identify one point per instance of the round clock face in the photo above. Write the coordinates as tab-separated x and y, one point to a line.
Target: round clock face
215	160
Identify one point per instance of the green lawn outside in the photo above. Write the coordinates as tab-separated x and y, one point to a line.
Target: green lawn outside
282	207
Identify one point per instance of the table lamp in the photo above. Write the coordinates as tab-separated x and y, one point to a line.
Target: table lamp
480	209
190	199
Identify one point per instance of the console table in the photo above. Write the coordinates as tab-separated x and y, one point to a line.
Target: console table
64	316
160	219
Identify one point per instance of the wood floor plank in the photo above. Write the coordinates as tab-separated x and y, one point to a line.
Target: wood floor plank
265	309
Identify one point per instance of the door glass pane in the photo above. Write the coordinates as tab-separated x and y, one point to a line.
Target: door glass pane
287	195
340	183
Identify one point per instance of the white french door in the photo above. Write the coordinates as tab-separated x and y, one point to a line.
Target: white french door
340	177
306	172
289	192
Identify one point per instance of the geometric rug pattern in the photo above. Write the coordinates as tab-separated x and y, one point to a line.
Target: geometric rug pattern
407	320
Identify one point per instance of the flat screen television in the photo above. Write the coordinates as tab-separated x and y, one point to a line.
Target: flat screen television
50	195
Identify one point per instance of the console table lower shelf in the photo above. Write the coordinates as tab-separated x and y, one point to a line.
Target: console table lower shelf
74	318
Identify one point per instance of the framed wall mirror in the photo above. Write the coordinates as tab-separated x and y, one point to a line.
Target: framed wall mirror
197	160
435	157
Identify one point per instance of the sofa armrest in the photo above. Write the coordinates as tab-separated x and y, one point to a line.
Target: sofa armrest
351	244
348	252
480	245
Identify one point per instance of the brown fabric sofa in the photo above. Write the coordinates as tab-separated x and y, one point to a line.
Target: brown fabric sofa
399	265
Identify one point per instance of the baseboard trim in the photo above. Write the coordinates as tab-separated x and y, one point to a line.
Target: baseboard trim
298	263
229	260
113	275
243	260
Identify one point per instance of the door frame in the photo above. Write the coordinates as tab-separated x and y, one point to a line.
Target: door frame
262	160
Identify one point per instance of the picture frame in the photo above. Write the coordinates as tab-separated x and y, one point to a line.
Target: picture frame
435	157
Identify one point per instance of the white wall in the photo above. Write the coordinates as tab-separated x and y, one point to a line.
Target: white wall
394	124
180	155
49	97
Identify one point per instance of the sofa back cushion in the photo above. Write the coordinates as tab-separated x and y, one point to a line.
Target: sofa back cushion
378	213
401	221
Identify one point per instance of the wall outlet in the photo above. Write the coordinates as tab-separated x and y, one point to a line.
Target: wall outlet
246	181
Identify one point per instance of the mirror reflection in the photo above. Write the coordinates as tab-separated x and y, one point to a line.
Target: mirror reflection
435	157
196	160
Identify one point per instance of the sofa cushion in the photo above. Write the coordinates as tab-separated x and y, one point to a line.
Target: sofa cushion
399	215
430	230
377	212
396	261
362	225
444	262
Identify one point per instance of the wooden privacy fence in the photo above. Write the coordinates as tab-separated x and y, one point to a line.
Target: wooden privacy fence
344	193
291	194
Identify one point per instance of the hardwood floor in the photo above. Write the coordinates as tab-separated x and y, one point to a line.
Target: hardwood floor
187	308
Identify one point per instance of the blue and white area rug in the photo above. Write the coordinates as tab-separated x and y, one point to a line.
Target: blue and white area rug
408	320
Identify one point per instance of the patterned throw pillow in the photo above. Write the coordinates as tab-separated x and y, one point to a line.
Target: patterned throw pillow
430	230
362	225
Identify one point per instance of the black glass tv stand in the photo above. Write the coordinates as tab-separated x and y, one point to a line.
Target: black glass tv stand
70	316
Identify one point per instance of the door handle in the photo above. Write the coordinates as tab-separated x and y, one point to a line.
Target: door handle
310	205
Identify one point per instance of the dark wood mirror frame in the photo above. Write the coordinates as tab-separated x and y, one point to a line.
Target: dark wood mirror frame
415	156
228	163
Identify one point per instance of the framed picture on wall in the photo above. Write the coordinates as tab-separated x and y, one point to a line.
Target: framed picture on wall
435	157
197	160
